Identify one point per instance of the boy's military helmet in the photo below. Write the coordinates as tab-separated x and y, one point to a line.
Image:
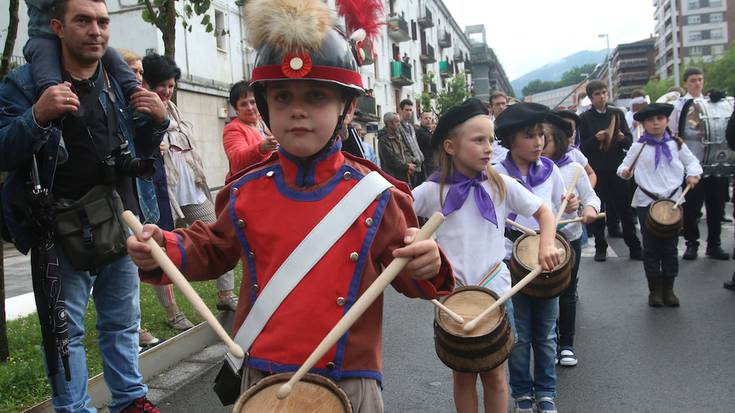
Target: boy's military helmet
297	40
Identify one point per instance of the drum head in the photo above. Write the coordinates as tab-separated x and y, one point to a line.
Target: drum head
525	251
470	302
662	213
313	394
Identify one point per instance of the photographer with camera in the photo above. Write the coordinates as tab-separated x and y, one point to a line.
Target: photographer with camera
76	156
187	184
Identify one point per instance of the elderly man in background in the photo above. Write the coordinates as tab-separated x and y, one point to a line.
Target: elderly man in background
392	151
413	152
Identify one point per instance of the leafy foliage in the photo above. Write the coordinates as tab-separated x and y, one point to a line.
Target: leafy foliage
568	78
455	92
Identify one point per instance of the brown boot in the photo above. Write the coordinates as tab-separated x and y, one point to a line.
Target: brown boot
655	292
670	299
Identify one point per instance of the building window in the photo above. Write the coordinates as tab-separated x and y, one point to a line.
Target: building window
715	34
715	18
694	36
715	3
693	4
694	19
695	51
219	30
718	49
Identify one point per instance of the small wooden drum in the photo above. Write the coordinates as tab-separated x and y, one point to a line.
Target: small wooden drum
313	394
662	221
487	347
525	258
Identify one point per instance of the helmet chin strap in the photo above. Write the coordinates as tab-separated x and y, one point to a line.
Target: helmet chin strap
339	126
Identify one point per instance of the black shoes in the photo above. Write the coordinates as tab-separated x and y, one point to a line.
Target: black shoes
600	255
670	300
636	254
691	251
730	285
655	292
716	252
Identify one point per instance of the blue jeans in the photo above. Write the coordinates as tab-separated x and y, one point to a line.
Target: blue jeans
535	322
117	301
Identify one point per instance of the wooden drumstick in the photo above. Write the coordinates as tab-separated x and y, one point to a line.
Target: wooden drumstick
182	283
456	317
577	219
681	197
470	325
361	305
523	228
564	202
632	166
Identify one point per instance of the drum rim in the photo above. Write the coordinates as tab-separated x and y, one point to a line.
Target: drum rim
490	292
561	266
669	201
317	379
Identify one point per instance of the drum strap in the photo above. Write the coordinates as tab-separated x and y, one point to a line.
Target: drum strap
305	256
490	275
654	196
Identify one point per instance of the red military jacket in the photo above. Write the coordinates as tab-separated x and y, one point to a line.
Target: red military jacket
262	216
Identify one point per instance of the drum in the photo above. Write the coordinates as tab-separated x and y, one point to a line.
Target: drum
662	220
489	344
525	258
702	125
313	394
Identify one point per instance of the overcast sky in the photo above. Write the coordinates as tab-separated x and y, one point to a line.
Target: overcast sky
527	34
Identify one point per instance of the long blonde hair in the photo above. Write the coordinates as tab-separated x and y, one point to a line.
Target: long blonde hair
446	168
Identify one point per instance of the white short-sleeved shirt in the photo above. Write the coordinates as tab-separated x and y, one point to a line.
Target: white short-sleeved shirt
665	179
473	244
499	153
577	156
585	193
550	192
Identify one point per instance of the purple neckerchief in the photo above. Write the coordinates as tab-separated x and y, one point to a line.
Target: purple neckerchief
661	146
460	190
537	174
564	160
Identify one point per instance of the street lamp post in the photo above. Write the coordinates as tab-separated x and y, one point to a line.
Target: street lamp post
609	65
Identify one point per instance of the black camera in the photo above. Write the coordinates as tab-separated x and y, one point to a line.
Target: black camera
120	162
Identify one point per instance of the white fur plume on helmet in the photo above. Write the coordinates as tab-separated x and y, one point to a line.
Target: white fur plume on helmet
288	25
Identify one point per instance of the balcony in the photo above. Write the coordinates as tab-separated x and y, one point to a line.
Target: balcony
426	20
446	69
633	63
427	54
400	73
458	56
445	41
398	29
468	66
366	108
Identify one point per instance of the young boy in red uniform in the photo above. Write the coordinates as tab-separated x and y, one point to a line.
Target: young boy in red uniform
304	85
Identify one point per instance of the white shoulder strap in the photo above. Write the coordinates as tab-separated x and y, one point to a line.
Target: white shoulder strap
305	256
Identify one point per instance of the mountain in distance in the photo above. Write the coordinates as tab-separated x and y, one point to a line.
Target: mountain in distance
553	71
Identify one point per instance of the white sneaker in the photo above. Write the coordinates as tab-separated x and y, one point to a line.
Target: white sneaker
567	358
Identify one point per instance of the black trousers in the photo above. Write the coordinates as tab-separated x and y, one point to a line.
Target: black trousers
712	192
616	193
568	301
660	255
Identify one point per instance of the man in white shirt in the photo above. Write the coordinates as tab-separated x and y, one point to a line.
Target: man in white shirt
713	191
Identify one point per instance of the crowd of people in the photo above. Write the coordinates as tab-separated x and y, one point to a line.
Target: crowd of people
295	153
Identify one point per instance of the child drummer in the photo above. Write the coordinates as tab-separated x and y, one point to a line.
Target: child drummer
556	149
520	128
476	201
305	82
659	170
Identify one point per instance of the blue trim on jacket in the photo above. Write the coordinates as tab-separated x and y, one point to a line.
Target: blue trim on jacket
272	367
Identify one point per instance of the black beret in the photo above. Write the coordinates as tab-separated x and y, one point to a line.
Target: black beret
457	115
653	109
559	122
519	116
568	114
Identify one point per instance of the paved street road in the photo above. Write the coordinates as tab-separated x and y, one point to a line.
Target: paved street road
632	358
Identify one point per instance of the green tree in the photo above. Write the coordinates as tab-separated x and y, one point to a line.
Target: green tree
427	95
655	88
568	78
454	93
4	350
720	74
